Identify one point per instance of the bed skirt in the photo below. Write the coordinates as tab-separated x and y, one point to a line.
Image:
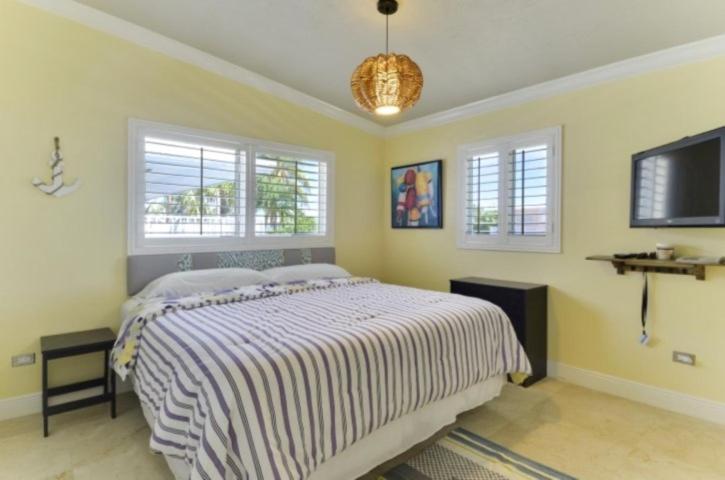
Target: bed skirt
390	440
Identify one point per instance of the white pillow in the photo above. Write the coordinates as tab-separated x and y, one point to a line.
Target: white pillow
311	271
182	284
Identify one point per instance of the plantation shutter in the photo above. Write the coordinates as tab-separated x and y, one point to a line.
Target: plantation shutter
291	195
528	197
509	193
482	194
192	190
199	191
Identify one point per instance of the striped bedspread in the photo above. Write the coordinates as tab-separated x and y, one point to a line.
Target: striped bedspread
268	382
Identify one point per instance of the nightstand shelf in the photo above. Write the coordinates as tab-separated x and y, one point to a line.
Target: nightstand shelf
697	270
72	344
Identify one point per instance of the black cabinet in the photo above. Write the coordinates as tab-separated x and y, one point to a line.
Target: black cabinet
526	306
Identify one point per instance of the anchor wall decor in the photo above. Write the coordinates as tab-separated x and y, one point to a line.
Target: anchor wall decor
56	188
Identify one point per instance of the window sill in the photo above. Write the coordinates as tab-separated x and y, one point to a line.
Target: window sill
509	247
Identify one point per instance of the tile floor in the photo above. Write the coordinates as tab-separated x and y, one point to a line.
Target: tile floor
587	434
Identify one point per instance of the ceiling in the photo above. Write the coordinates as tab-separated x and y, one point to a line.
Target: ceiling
468	49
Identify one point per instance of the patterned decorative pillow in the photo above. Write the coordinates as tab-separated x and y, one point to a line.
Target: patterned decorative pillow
185	262
254	259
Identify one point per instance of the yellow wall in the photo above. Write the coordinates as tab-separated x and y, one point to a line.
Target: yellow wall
594	314
63	260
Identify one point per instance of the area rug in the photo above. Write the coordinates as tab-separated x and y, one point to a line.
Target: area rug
463	455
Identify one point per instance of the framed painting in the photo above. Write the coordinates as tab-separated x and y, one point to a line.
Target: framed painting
417	195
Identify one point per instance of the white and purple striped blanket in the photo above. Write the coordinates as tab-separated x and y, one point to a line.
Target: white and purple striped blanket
268	382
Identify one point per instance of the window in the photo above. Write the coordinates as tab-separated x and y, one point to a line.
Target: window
509	194
291	195
199	191
192	189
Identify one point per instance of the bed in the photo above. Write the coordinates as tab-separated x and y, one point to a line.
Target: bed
320	379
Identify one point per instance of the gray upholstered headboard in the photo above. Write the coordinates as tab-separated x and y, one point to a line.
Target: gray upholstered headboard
142	269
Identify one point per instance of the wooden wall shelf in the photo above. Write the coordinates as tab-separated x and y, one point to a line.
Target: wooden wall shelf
656	266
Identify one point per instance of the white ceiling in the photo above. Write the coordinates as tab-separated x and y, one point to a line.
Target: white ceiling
468	49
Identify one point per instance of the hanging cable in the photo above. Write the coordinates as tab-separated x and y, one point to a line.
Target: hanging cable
644	338
386	33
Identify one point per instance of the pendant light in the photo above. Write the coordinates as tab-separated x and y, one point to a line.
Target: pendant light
387	83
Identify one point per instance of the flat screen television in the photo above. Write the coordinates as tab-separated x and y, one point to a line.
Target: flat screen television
681	184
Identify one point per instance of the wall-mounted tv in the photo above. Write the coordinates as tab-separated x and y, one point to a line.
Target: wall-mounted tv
681	184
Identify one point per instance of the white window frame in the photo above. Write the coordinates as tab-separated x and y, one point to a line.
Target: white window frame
138	130
551	243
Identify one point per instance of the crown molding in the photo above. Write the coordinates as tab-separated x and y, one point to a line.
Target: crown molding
660	60
143	37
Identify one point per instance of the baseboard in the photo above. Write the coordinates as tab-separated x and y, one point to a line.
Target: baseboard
31	403
639	392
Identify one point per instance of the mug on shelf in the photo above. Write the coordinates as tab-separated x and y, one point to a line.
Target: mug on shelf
665	251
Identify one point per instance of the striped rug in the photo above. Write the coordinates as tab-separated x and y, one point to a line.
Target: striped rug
463	455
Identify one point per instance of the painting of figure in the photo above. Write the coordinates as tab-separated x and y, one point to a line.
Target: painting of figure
416	194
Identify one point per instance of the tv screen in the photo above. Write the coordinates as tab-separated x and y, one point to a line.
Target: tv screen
680	184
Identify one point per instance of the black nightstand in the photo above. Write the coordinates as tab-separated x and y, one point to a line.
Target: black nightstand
526	306
68	345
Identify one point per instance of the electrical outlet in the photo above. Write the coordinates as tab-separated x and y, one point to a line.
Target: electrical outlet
684	358
23	359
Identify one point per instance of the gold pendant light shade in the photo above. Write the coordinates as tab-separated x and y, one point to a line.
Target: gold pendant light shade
386	84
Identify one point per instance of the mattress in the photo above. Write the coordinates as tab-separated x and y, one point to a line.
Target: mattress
389	441
277	381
